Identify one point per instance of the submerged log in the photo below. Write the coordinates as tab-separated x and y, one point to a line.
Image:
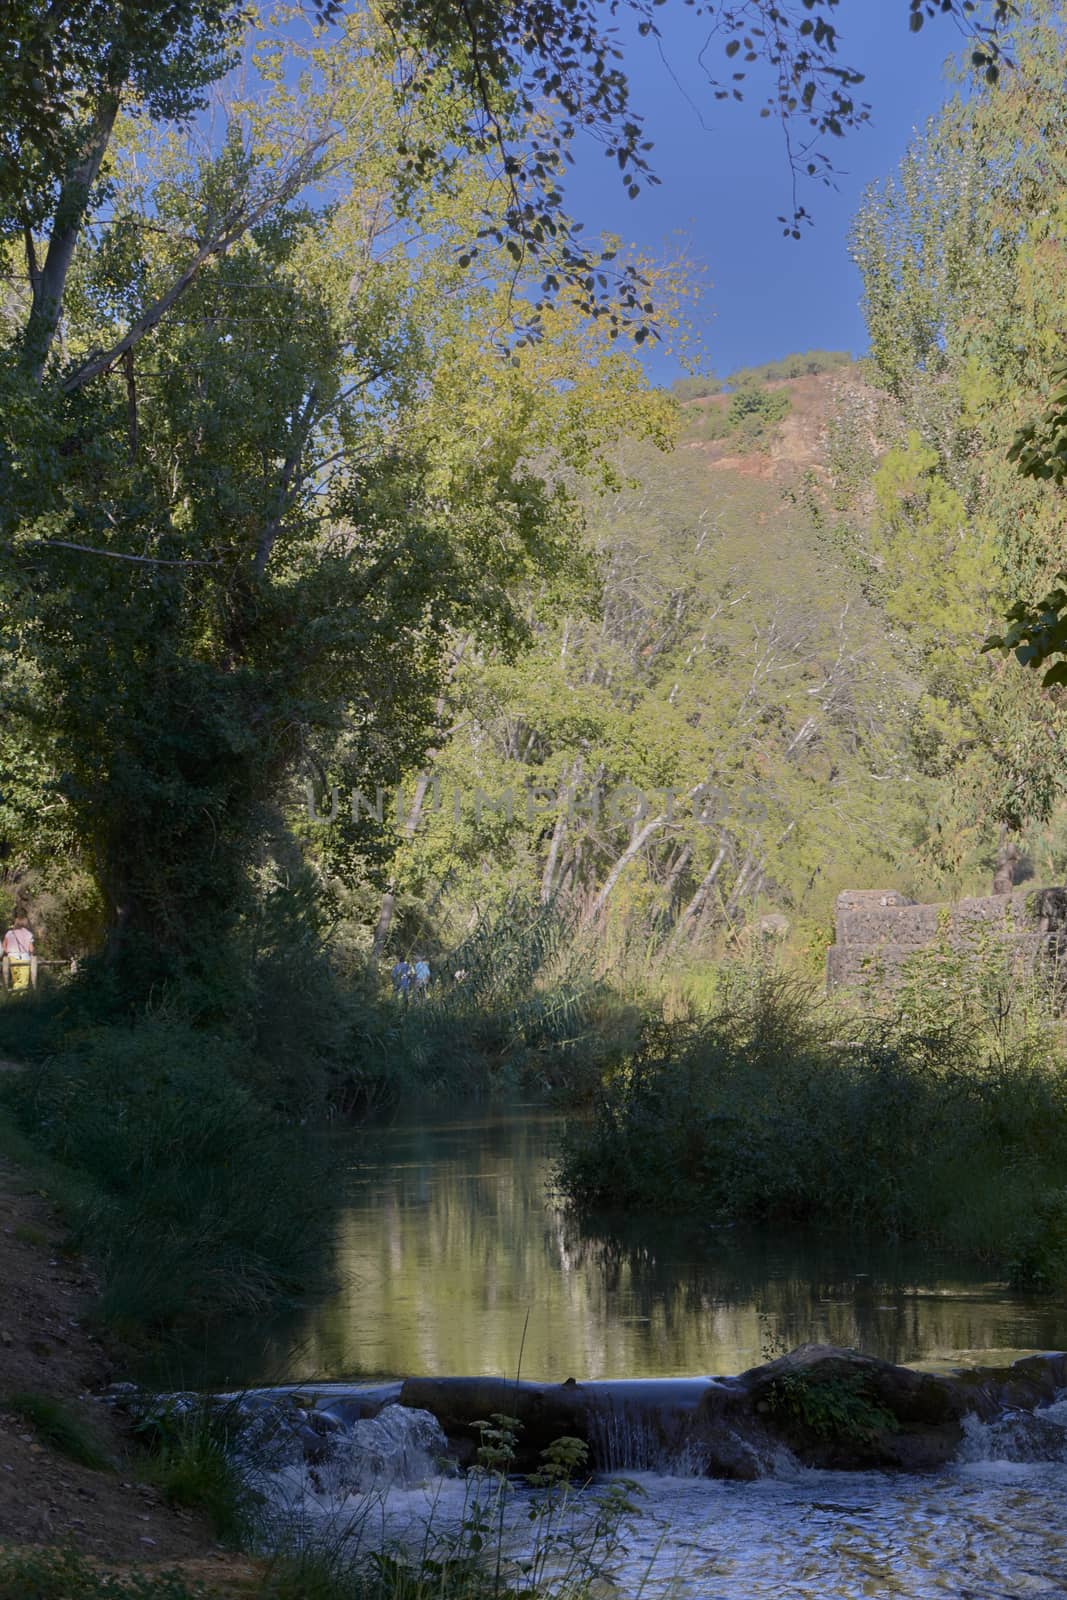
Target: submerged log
830	1407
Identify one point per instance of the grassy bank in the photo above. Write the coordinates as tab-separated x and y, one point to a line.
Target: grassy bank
180	1137
194	1199
571	1541
941	1116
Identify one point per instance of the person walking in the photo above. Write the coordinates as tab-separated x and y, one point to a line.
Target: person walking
402	974
18	952
422	976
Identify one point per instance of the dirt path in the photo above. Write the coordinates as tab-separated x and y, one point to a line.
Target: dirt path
45	1349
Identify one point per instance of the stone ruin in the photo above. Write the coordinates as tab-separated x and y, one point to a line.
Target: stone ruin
878	930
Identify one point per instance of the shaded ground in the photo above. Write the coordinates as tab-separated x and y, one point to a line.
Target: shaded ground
45	1349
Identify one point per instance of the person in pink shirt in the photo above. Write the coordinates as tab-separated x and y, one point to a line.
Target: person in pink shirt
18	947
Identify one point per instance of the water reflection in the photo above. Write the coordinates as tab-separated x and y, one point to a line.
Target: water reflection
453	1257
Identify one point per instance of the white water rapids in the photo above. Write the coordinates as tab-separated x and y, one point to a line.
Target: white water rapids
993	1526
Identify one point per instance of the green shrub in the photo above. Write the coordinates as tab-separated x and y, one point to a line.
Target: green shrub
801	364
932	1123
837	1407
56	1424
1039	1247
697	388
198	1202
753	409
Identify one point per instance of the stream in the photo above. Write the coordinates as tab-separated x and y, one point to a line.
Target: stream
454	1258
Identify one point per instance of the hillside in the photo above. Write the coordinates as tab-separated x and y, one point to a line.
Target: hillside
729	651
784	448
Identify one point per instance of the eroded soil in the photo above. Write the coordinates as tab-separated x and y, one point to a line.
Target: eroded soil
46	1349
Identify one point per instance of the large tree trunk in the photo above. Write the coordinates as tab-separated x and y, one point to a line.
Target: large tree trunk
49	284
411	822
1007	856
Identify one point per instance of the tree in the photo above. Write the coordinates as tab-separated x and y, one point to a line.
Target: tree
699	739
319	471
69	68
1037	631
358	471
964	300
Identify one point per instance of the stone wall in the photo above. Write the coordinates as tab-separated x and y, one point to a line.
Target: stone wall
877	930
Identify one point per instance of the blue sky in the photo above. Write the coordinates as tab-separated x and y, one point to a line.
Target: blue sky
724	185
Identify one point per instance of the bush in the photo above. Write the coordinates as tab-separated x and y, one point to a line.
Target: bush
829	1407
199	1202
752	410
802	364
1039	1248
697	388
935	1126
192	1464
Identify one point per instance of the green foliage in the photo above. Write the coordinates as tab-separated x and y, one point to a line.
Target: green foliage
1039	1248
66	1575
964	305
60	1427
402	509
197	1202
944	1116
192	1465
560	1461
685	389
752	410
804	364
750	414
1040	448
517	1003
1038	634
162	53
763	707
829	1406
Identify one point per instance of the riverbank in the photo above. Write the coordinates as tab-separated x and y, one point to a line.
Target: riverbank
751	1537
939	1115
54	1375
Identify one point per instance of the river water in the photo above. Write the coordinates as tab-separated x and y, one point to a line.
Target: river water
454	1257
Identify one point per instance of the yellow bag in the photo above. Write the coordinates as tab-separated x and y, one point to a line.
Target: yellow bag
20	975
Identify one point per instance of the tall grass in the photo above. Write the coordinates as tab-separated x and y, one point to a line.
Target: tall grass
197	1202
519	1003
60	1426
943	1116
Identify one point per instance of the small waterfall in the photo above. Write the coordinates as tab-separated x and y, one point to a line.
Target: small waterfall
1016	1436
349	1468
627	1438
396	1449
624	1440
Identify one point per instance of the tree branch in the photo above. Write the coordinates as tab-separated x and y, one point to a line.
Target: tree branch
218	245
116	555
